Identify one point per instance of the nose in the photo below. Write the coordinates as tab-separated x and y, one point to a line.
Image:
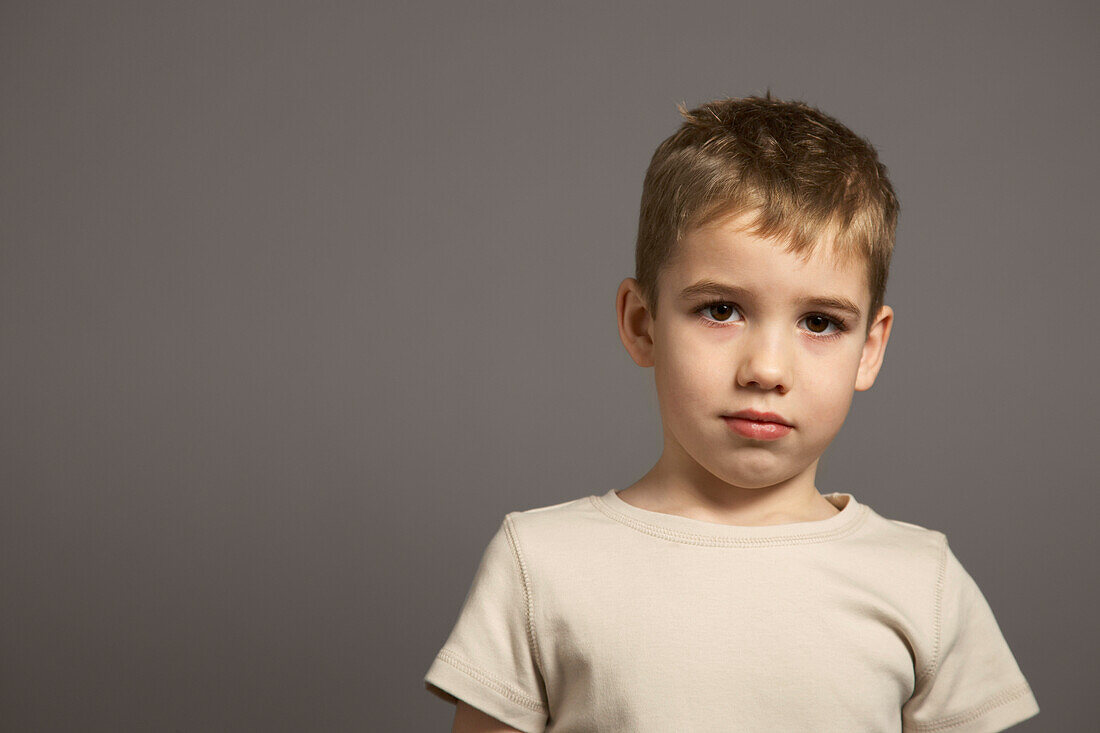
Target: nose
765	362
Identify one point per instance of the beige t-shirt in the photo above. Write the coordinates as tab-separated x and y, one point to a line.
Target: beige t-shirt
596	615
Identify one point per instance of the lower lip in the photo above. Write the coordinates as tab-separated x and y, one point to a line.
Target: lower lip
756	429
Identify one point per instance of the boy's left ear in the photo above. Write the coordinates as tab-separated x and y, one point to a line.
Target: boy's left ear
874	349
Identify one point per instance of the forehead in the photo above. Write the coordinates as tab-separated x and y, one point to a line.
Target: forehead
728	252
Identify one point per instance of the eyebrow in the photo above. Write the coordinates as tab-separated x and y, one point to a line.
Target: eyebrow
712	287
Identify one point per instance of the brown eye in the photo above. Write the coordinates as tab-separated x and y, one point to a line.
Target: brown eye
721	311
817	319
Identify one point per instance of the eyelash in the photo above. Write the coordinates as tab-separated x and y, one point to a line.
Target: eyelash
841	325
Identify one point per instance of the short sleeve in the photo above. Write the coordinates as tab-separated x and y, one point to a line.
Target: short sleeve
972	684
490	658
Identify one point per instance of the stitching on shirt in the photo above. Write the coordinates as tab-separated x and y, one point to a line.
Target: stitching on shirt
690	538
937	614
492	683
532	638
1013	693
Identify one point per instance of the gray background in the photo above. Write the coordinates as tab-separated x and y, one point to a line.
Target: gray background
299	299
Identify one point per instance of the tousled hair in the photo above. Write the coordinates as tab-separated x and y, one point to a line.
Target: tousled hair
796	173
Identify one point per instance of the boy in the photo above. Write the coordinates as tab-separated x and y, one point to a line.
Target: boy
722	591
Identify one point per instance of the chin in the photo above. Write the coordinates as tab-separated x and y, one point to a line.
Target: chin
764	478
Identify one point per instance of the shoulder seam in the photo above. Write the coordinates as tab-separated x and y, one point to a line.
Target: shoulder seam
937	615
517	553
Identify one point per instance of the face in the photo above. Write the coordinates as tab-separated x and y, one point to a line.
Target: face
762	344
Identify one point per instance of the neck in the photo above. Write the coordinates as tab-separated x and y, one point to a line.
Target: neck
685	488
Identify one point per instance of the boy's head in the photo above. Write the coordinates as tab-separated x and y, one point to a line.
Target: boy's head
761	220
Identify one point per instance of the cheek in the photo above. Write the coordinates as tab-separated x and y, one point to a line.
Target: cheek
829	383
688	376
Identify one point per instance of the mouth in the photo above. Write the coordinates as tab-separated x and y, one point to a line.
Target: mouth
756	429
757	416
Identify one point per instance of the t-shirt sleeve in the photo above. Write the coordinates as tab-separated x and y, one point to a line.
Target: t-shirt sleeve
490	660
972	683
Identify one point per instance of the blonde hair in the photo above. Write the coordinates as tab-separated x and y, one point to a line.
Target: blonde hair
799	174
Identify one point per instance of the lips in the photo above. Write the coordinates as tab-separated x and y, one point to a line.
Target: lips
757	429
756	415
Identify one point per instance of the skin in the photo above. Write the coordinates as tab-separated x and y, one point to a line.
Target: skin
767	354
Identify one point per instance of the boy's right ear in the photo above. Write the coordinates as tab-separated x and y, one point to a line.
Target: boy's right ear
635	322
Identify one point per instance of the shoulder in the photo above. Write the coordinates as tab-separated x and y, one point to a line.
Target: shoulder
548	538
907	537
555	522
553	515
901	555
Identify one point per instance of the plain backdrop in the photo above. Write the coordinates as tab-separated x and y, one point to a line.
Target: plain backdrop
298	299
